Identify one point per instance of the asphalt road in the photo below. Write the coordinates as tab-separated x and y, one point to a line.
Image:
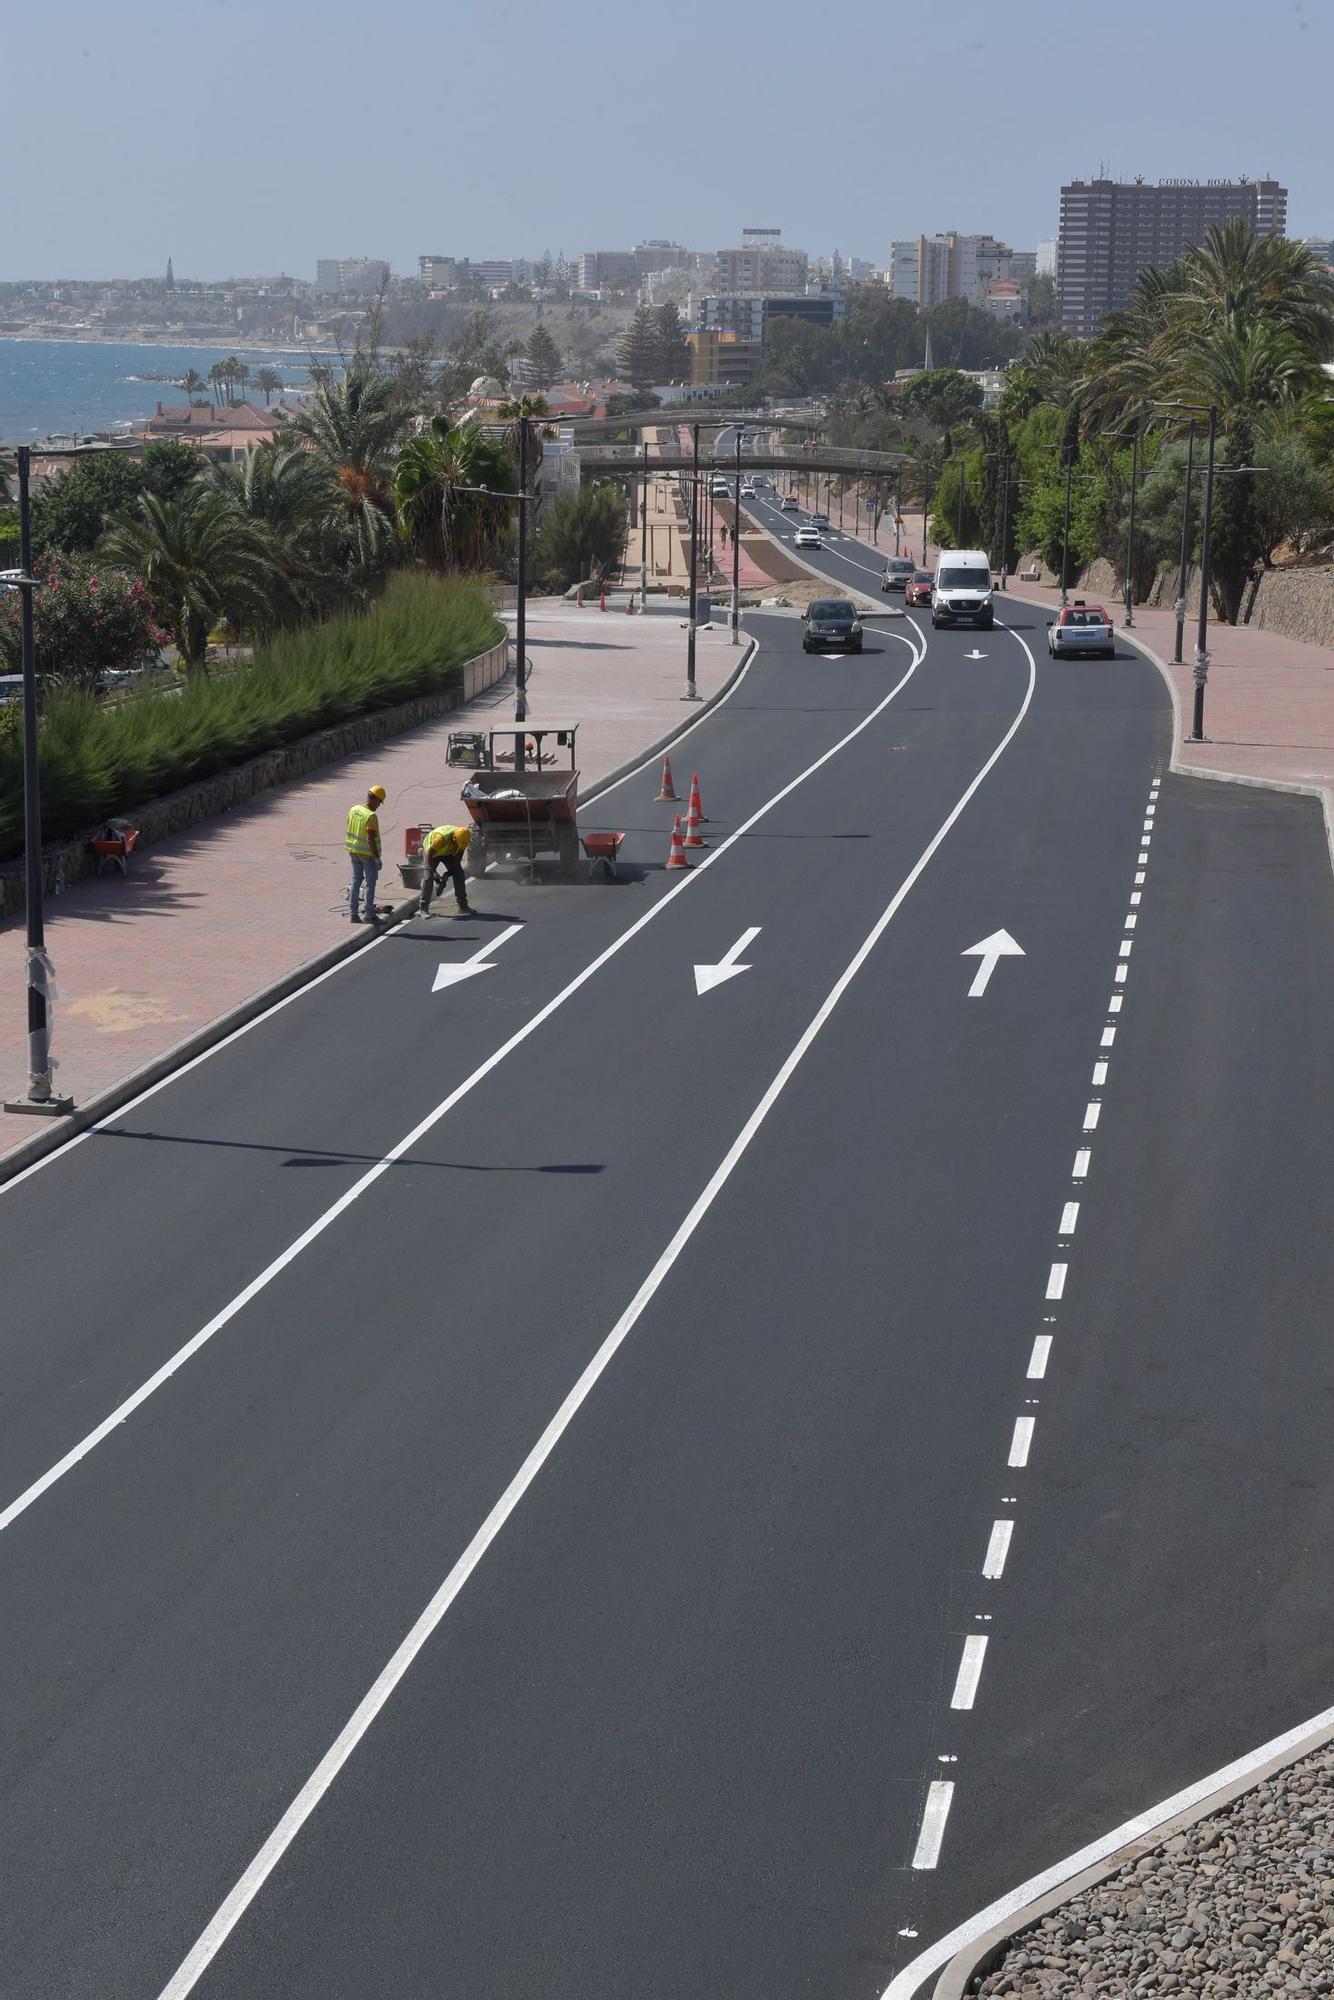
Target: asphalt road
498	1480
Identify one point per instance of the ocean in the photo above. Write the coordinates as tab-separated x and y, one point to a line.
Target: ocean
64	386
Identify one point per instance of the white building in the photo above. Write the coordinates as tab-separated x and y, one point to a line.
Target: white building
929	269
1046	256
350	275
761	264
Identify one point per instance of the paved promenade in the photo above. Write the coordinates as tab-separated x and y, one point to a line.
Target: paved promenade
207	919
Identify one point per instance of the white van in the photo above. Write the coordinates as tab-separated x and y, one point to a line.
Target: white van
961	590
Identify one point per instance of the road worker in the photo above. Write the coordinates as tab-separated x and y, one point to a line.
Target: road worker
363	846
443	850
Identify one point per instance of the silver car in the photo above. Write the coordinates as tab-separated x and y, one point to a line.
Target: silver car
898	570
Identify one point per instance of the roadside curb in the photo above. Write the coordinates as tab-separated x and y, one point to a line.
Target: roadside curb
985	1953
1176	769
51	1137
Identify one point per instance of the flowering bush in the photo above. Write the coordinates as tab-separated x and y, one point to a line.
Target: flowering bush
85	618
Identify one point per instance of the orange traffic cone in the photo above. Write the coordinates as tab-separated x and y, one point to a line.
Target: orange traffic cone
676	854
602	600
694	838
579	597
668	789
697	811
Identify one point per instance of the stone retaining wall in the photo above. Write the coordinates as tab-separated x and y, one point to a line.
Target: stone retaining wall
186	808
1298	603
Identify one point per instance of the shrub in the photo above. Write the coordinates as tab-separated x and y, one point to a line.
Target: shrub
99	760
85	618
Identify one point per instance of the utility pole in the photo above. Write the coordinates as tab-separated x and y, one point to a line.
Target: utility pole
643	535
520	608
1180	606
1130	532
1005	520
736	547
41	1099
1065	533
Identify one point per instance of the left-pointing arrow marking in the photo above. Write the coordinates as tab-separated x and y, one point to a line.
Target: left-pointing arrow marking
709	976
453	975
991	950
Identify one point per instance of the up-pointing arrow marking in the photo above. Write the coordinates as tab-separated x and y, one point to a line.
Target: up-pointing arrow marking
709	976
991	951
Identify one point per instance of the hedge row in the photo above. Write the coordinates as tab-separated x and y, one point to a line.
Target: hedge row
99	760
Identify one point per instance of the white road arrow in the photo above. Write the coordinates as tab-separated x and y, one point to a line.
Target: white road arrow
453	975
975	655
709	976
991	951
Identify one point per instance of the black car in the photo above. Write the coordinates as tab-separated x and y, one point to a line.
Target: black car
831	622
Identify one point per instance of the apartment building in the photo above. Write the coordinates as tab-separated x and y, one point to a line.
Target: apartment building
762	263
929	269
607	270
352	276
1113	230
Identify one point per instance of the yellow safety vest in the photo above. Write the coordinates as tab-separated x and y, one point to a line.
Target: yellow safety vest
442	840
363	834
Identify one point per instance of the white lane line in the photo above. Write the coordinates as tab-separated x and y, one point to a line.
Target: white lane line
1022	1440
1131	921
1120	974
1099	1075
1125	947
909	1981
1056	1280
239	1898
998	1548
1142	858
927	1852
1080	1169
1069	1218
1114	1004
322	1222
1037	1360
1136	898
1108	1037
970	1671
355	958
1139	875
1091	1116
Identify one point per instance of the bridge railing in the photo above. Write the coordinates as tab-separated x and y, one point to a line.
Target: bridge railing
802	458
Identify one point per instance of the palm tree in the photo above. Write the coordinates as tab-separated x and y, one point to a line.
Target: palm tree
320	373
271	382
354	427
200	560
286	493
240	376
217	375
193	384
441	515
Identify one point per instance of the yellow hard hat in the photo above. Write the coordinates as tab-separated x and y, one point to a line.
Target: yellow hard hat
378	792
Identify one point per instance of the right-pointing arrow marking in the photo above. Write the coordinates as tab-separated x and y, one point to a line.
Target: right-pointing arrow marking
709	976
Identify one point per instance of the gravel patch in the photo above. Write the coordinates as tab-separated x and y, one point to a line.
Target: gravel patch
1237	1907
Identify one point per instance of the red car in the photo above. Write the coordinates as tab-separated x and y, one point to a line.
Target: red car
917	590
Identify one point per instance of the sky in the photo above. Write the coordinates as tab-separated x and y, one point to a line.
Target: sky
244	137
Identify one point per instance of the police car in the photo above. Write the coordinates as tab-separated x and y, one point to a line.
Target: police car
1081	628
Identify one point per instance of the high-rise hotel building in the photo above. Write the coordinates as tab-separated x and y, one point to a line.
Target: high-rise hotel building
1111	230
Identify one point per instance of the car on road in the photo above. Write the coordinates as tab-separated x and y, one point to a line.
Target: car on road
720	489
831	622
961	592
898	571
917	590
808	538
789	503
1081	628
819	520
747	490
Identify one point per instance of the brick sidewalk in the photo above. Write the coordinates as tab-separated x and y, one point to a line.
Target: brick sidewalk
212	916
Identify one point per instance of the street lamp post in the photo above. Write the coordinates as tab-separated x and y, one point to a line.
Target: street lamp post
692	693
1065	532
926	510
736	547
643	536
1005	521
41	1100
1206	555
520	609
958	511
1179	608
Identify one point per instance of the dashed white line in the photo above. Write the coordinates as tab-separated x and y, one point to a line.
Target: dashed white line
998	1548
970	1671
1108	1037
1037	1360
1139	875
1131	921
1099	1075
1136	898
1021	1441
1125	947
1091	1115
1114	1004
1069	1217
1080	1169
938	1801
1056	1280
